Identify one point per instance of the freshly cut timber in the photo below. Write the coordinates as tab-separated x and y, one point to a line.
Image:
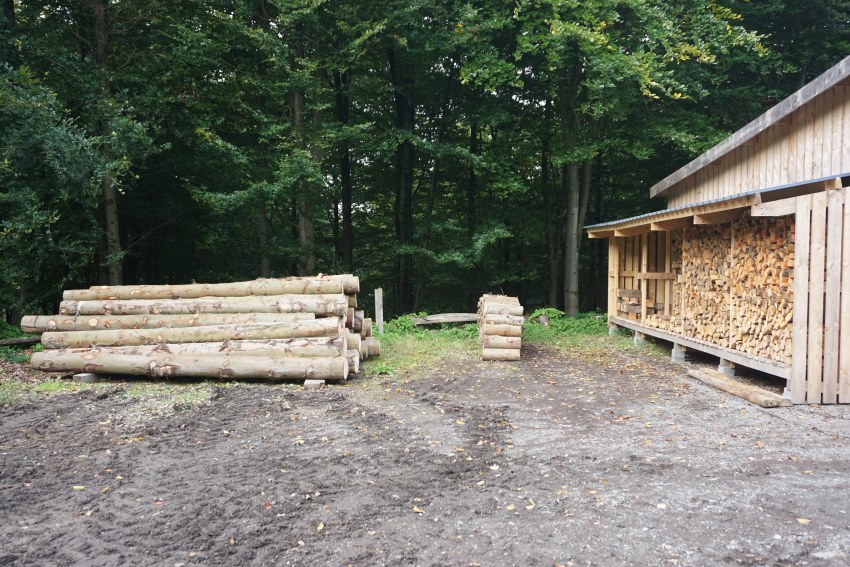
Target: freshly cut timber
327	327
501	354
222	366
366	328
500	323
497	341
40	323
314	347
353	361
503	330
335	304
501	309
309	285
354	342
372	347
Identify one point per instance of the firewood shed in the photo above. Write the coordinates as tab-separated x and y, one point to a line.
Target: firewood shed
750	262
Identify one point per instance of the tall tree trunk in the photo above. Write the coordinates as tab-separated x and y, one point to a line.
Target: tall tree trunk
402	83
303	207
570	246
9	13
552	237
472	181
343	106
263	233
108	185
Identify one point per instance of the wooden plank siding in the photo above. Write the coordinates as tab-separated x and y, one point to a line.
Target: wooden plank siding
811	143
821	337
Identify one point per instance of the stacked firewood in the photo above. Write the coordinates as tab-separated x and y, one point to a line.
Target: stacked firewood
500	327
671	322
292	328
706	257
762	279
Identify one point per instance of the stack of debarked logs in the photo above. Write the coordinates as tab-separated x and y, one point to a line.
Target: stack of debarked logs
291	328
500	327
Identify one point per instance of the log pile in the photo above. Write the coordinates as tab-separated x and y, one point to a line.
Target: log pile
290	328
500	327
706	256
762	287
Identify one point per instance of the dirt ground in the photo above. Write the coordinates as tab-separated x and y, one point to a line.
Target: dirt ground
619	459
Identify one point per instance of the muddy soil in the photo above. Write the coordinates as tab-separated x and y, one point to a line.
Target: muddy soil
619	460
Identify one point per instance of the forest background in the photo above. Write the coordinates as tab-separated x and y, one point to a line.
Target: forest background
436	149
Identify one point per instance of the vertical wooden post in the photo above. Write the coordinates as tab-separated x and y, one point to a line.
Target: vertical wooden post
731	296
613	276
799	335
831	345
668	268
844	323
817	284
379	309
644	267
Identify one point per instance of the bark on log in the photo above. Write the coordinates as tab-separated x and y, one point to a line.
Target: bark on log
221	366
349	317
318	304
39	323
366	328
353	361
23	341
315	347
352	300
501	354
372	346
504	319
497	341
501	309
296	286
502	330
328	327
357	324
492	298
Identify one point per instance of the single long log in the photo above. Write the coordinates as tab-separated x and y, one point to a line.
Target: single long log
40	323
328	327
314	347
501	309
284	286
354	342
493	298
366	328
502	330
504	319
372	346
221	366
501	354
498	341
23	341
318	304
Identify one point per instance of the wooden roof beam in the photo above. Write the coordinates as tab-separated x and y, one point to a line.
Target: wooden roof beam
720	217
600	233
632	230
674	224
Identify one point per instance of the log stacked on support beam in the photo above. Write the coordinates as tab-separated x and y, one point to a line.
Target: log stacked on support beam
500	327
290	328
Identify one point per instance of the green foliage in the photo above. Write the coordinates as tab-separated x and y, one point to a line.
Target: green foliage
12	354
560	327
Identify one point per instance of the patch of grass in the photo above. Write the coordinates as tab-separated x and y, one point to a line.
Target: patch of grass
407	349
13	354
59	386
13	392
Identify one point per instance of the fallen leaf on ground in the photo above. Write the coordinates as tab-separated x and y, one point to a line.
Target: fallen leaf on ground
418	510
79	487
320	527
804	521
510	507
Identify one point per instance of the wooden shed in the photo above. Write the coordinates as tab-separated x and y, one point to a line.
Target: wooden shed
750	262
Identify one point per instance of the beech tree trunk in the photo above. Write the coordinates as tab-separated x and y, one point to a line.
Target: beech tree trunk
221	366
570	248
342	80
109	191
285	286
328	327
303	205
318	304
263	235
41	323
405	111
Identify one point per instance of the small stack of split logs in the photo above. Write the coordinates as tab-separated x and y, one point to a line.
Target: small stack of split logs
500	327
292	328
